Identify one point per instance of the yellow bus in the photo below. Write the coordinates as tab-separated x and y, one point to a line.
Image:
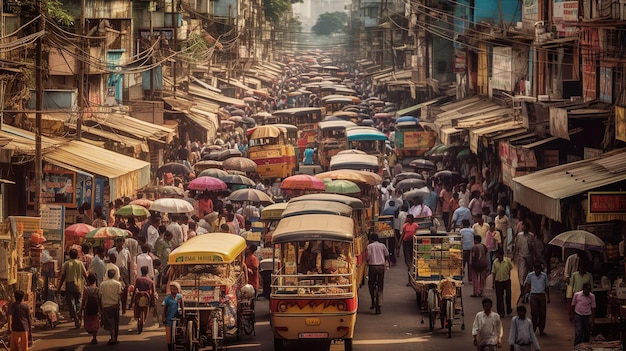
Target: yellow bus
331	138
305	118
271	150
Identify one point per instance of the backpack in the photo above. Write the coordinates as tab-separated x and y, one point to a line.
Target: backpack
91	305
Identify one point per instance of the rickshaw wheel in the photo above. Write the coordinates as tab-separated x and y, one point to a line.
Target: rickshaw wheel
190	345
278	344
347	344
431	320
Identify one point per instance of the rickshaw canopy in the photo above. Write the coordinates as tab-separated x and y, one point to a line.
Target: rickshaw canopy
267	131
364	133
356	162
335	125
359	177
314	227
273	212
317	207
353	202
208	248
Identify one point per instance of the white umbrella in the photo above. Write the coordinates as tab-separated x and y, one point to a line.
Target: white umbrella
578	239
170	205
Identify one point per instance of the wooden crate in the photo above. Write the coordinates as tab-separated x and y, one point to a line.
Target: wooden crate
24	282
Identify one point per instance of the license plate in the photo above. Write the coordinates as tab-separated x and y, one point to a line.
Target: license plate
312	321
313	335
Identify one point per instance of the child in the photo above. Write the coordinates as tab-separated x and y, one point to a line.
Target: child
521	335
20	323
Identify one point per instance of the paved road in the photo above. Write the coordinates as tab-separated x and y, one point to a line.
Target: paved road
398	327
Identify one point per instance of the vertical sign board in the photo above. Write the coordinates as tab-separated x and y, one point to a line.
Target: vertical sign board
502	68
84	189
530	11
53	225
606	84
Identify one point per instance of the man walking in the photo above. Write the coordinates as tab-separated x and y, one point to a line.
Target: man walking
122	262
521	334
110	291
408	231
378	261
97	266
501	270
467	240
537	285
74	275
524	251
487	328
582	314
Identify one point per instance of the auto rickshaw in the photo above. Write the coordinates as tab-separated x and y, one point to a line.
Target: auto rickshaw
217	301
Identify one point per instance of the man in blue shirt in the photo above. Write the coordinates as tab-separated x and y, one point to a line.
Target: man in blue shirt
537	285
459	215
467	239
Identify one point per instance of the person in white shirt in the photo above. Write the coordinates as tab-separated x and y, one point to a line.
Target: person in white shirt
111	265
123	262
176	230
153	231
487	328
419	209
144	259
183	221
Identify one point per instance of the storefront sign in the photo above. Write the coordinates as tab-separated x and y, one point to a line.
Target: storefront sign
530	10
460	62
98	192
607	202
620	123
565	11
558	123
53	226
57	187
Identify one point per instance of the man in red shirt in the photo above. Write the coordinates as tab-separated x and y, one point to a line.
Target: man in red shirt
252	263
408	231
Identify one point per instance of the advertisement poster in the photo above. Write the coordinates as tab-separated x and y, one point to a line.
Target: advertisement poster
565	11
530	10
502	68
57	187
558	123
620	123
98	192
53	225
84	189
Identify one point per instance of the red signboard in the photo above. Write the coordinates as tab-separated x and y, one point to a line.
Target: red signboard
607	202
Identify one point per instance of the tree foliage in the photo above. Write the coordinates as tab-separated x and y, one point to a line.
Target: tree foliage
52	9
275	9
330	22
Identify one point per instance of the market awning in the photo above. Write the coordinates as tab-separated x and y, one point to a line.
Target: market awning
125	174
409	110
199	91
137	145
133	126
198	113
542	191
475	134
235	83
446	134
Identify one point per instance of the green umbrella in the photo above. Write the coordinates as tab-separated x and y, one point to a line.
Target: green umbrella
132	211
462	154
342	187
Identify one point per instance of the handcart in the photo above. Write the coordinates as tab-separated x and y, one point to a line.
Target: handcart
217	301
437	276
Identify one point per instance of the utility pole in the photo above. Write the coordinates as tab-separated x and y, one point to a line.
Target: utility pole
174	43
81	75
38	107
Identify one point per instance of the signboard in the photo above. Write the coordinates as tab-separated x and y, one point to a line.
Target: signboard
607	202
417	139
606	84
530	10
460	61
84	189
565	11
620	123
53	226
502	68
57	187
385	227
98	192
558	123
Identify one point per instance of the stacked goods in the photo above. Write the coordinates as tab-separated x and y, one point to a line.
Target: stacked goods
24	282
437	257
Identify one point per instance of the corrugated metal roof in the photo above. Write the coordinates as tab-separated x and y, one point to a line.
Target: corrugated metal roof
475	134
542	191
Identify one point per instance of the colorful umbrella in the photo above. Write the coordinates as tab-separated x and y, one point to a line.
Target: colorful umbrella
213	172
250	195
142	202
342	187
239	164
129	211
107	233
302	182
206	184
78	230
170	205
578	239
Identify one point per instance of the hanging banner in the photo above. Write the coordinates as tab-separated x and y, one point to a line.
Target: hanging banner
620	123
558	123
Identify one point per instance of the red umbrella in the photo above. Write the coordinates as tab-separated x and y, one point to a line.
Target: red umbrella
302	182
207	184
78	230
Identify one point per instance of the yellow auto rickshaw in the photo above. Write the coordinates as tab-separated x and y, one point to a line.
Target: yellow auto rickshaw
217	300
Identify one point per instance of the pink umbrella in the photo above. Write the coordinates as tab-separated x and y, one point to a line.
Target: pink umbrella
206	184
78	230
303	182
